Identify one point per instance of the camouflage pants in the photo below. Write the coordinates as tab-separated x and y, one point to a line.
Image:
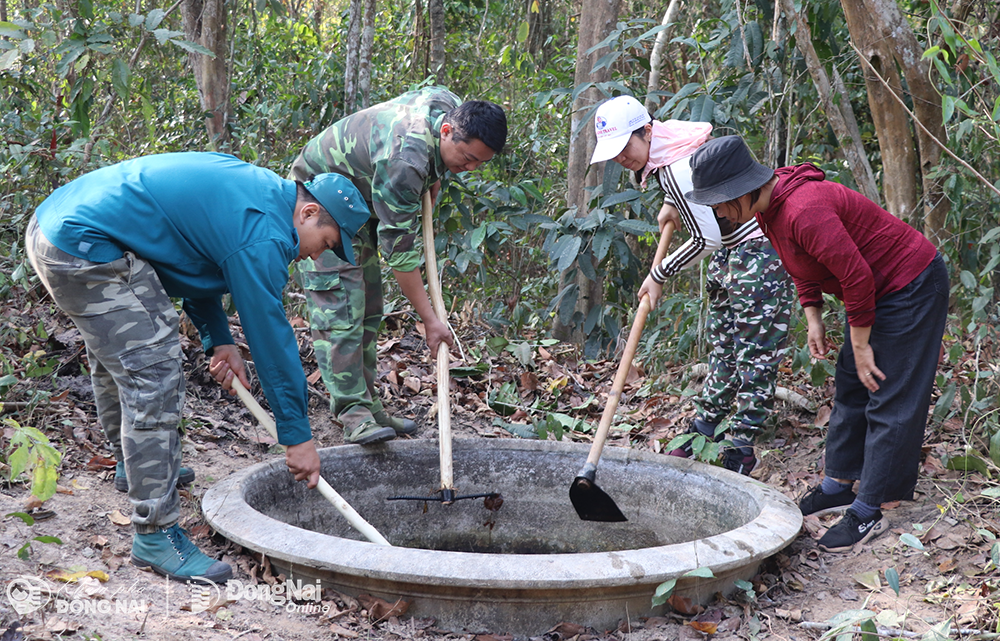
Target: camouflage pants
751	297
345	307
130	328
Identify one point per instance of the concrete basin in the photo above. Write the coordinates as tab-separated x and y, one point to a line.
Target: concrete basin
526	567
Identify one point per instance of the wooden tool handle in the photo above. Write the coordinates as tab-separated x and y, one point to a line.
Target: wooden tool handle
443	362
626	362
342	506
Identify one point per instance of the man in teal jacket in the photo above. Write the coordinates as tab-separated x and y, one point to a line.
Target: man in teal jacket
113	246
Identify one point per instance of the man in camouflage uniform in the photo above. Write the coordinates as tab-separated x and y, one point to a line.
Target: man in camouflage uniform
113	246
393	152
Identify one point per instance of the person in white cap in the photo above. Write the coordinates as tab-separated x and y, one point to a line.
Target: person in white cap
750	293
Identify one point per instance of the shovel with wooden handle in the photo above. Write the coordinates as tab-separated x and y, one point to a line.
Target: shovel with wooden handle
342	506
591	502
447	494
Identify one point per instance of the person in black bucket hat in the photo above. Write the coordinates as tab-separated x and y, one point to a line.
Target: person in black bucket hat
894	286
750	295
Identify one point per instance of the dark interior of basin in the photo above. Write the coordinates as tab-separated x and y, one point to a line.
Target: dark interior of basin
664	503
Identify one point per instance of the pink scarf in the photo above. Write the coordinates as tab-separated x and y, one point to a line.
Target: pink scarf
673	140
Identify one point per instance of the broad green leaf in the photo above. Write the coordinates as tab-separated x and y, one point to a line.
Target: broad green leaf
48	539
18	461
995	450
477	237
193	47
663	592
995	554
162	35
10	30
135	19
27	518
566	251
705	573
910	540
522	31
599	245
869	630
947	107
621	197
27	45
968	463
637	227
892	578
154	18
120	76
702	109
8	59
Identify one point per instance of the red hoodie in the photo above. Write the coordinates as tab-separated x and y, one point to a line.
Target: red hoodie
832	239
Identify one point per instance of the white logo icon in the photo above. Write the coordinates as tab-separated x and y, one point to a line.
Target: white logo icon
25	594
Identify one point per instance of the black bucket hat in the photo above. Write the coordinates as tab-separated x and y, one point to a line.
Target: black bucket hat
722	170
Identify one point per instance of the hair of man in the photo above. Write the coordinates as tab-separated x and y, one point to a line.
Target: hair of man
481	120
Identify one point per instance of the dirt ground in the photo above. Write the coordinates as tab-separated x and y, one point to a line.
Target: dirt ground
939	543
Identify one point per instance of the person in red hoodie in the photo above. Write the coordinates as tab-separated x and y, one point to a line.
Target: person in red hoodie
894	286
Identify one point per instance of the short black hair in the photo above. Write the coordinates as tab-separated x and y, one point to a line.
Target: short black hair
479	119
303	194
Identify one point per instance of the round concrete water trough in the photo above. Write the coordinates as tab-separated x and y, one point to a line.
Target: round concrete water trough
538	564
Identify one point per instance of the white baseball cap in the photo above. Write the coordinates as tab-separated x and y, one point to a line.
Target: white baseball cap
614	123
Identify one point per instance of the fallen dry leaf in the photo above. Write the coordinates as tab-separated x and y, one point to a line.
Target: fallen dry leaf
493	637
72	577
869	580
565	630
315	376
791	615
99	463
118	518
33	503
684	605
380	609
63	490
59	626
703	626
947	565
823	416
412	383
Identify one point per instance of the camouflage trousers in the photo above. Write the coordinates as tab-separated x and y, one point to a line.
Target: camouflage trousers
345	307
130	329
751	297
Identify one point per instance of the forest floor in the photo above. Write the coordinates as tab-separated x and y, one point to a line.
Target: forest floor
939	543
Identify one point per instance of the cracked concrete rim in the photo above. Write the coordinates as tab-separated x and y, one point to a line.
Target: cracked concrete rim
595	587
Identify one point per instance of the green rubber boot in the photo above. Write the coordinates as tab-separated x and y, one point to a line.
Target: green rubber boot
170	553
401	425
368	433
186	477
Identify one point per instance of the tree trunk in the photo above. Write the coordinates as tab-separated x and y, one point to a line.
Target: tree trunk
841	117
774	129
539	28
656	57
351	58
436	10
597	19
419	50
365	55
892	123
891	24
319	9
205	23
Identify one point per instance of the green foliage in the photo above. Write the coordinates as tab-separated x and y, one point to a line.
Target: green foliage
24	552
666	589
30	453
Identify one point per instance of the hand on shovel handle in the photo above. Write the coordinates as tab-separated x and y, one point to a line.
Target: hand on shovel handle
592	503
338	502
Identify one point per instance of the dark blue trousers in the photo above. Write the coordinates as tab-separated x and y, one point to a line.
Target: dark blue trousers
875	437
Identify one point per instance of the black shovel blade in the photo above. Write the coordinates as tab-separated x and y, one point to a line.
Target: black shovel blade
592	503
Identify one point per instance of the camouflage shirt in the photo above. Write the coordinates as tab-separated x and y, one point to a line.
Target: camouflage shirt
392	154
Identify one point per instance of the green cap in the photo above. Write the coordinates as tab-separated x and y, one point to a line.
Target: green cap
342	200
